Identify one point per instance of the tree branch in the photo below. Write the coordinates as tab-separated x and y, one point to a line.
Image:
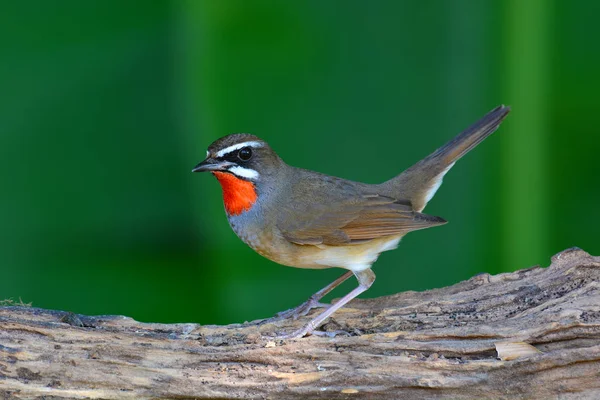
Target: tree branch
440	343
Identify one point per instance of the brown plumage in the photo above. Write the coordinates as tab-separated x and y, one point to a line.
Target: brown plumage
355	218
305	219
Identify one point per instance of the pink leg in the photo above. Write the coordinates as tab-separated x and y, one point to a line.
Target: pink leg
365	280
312	302
323	292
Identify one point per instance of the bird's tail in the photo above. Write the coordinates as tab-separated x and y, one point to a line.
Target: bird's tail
420	182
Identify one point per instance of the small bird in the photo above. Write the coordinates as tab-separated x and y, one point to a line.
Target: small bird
305	219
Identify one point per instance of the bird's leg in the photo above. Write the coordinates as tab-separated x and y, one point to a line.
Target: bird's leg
365	280
312	302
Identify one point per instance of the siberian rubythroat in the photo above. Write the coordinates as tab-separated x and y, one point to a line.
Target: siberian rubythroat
306	219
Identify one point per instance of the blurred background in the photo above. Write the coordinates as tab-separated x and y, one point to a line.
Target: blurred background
105	106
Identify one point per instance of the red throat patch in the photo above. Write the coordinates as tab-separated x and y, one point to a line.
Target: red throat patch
238	195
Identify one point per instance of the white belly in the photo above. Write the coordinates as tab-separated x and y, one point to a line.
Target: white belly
355	257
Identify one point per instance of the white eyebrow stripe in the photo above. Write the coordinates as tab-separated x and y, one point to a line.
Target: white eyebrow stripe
238	146
244	172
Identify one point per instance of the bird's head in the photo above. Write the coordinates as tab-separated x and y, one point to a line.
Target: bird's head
244	164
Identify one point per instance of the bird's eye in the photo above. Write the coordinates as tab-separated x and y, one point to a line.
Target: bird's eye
245	154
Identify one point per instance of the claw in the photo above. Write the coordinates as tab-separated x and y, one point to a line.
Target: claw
331	334
300	311
299	334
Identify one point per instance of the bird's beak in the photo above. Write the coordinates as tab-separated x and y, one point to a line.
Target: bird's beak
210	164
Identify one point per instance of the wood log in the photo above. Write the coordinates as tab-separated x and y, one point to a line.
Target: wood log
533	333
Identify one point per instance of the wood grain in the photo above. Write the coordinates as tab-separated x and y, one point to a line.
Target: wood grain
434	344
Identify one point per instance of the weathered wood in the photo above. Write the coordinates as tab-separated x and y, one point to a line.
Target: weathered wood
435	344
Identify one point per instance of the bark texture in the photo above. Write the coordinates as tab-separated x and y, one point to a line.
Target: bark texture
441	343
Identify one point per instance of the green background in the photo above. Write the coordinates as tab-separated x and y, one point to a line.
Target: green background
105	106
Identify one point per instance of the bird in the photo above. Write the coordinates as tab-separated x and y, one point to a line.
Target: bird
306	219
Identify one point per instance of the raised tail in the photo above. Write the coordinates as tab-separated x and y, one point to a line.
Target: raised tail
420	182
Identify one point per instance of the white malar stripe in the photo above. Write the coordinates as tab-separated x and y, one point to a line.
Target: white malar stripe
437	182
238	146
242	172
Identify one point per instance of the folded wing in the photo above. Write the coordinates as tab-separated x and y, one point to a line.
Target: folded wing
349	221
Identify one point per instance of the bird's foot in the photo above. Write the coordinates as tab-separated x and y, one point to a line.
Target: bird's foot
331	334
297	312
300	333
305	331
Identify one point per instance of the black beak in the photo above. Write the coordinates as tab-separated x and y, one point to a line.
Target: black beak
210	164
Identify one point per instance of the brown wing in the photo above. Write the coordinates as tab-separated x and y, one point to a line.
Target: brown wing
338	217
